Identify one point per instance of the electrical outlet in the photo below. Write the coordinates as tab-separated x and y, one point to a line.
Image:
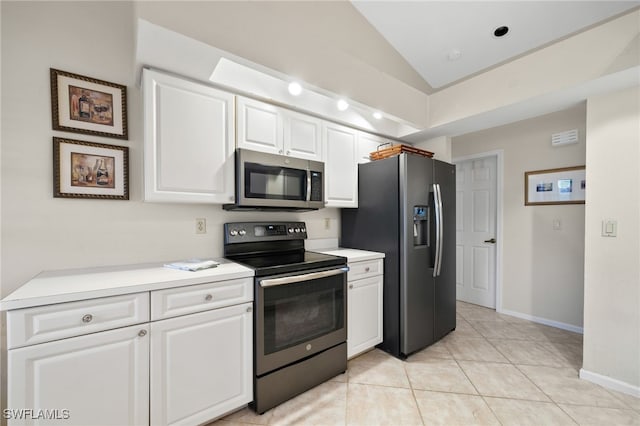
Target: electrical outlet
201	225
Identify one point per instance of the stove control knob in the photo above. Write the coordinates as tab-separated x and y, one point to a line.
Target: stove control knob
291	230
297	230
242	232
303	230
233	232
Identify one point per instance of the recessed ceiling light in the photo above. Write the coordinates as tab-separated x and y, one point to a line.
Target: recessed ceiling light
377	115
342	105
501	31
295	88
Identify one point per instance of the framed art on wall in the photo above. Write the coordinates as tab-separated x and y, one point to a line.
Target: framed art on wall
90	170
82	104
555	186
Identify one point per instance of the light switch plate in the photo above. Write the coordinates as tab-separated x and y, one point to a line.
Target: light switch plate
609	228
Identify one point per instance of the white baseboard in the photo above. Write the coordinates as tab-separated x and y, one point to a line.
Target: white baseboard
610	383
544	321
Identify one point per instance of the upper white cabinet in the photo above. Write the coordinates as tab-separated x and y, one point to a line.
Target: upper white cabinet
341	171
267	128
368	143
188	141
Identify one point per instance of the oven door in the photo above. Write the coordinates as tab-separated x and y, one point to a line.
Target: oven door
298	315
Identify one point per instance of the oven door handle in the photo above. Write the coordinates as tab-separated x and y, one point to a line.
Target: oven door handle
304	277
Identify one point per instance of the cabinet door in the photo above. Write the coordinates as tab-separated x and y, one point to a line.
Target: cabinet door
341	167
259	126
364	315
368	143
188	141
302	136
201	365
100	379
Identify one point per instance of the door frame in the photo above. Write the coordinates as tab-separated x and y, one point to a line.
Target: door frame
499	154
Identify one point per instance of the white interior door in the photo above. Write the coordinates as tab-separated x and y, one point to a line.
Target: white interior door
476	210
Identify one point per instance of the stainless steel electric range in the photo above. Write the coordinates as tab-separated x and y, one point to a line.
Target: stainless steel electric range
300	321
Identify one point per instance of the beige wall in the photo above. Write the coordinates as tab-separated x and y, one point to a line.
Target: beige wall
542	268
39	232
612	265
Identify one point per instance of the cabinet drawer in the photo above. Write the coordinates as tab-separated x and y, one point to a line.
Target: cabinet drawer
52	322
364	269
174	302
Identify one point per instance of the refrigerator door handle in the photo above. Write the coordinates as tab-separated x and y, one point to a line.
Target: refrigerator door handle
438	214
441	223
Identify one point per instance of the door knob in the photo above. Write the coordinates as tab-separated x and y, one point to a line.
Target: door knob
492	241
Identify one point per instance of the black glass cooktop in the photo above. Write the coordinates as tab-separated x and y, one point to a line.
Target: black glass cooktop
287	262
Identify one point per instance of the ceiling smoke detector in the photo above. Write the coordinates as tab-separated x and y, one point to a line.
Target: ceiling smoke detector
501	31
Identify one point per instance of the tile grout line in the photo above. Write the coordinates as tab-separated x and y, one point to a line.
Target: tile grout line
551	400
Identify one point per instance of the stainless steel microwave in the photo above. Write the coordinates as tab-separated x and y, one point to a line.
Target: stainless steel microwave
277	182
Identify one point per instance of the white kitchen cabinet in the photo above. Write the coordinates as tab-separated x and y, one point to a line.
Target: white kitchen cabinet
341	171
368	143
268	128
364	302
96	379
201	365
189	139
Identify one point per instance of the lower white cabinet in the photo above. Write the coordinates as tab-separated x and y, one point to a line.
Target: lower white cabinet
201	365
364	301
105	361
96	379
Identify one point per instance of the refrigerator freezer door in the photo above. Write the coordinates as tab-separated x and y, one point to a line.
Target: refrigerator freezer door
445	282
416	280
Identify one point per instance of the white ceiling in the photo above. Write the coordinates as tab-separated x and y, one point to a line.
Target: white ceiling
427	33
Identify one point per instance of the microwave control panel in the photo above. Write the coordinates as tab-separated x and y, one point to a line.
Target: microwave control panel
316	187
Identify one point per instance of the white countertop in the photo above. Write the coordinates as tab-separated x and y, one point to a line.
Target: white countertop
353	255
79	284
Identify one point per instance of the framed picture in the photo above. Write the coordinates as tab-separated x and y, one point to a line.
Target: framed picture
82	104
90	170
555	186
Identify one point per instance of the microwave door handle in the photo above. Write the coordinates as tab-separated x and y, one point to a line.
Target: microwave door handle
308	185
303	277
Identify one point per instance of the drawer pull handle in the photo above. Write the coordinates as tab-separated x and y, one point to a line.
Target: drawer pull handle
87	318
249	309
350	285
367	269
142	333
208	297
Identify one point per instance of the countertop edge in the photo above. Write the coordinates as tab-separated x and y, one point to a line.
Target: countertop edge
35	292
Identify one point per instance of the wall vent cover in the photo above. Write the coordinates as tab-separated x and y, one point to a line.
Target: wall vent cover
564	138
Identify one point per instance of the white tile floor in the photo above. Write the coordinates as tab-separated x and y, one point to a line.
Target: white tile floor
493	369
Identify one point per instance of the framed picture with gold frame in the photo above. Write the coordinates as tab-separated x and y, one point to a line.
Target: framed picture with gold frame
90	170
555	186
87	105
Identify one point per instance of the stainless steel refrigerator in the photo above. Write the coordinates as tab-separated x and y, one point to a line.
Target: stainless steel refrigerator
406	209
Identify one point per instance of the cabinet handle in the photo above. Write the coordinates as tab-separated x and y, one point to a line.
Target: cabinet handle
208	297
288	152
367	269
350	285
279	151
87	318
142	333
249	309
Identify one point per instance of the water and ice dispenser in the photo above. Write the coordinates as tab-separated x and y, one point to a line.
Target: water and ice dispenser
420	225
